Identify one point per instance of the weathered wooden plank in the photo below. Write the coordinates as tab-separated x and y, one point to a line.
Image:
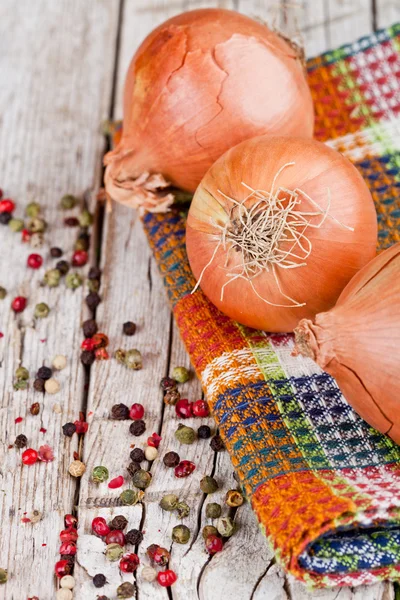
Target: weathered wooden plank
347	20
56	69
387	13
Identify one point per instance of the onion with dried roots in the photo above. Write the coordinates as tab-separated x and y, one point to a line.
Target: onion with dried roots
277	228
357	342
200	83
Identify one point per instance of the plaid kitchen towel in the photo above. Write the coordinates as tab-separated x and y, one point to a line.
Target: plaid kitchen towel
324	485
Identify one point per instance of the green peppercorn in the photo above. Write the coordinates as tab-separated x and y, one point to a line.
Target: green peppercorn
41	310
3	575
180	374
129	497
181	534
185	434
213	510
126	590
226	527
73	281
52	277
85	218
32	210
120	356
133	360
21	384
183	510
37	225
141	479
68	201
208	485
22	373
169	502
16	225
114	552
3	293
209	530
234	498
93	285
100	474
81	245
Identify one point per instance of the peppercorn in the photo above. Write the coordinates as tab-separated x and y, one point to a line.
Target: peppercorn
63	266
99	580
85	218
67	582
59	362
203	432
22	373
52	277
234	498
41	310
114	552
132	468
169	502
99	474
151	453
35	407
183	510
55	252
129	328
137	428
126	590
226	527
3	293
71	222
181	534
92	300
38	384
62	594
52	386
137	455
119	412
21	384
36	225
5	218
93	285
180	374
68	202
141	479
132	359
89	328
171	459
134	537
171	397
209	530
88	357
185	435
20	441
213	510
77	468
129	497
208	485
102	598
44	373
32	209
149	574
36	240
167	383
217	444
73	281
118	522
16	224
3	572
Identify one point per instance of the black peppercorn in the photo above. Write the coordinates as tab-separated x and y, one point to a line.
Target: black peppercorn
71	222
44	373
38	385
132	468
217	444
204	432
137	427
89	328
5	218
129	328
69	429
20	441
99	580
137	455
56	252
70	559
87	357
134	537
35	407
94	273
171	459
120	412
167	383
92	300
118	522
62	266
103	598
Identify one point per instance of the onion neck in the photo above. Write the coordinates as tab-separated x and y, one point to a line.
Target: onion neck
314	339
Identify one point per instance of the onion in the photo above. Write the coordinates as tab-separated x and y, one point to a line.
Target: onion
277	228
357	342
199	84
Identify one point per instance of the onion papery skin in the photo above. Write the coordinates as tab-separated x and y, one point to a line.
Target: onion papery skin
357	342
199	84
337	253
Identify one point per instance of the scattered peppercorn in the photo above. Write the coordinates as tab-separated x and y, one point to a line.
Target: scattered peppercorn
3	572
181	534
20	441
34	261
129	328
126	590
99	475
68	201
71	222
132	359
118	522
200	408
183	510
16	224
77	468
93	285
52	386
44	373
89	328
184	408
52	277
73	281
21	384
166	578
185	435
214	544
129	497
149	574
38	384
99	580
119	412
35	407
59	362
29	456
87	358
204	432
180	374
36	225
3	293
169	502
209	530
141	479
217	444
226	527
134	537
32	209
67	582
137	427
36	239
63	267
92	300
55	252
184	469
41	310
171	459
19	304
137	455
208	485
213	510
171	397
94	273
61	594
22	373
234	498
167	383
114	552
5	218
132	468
79	258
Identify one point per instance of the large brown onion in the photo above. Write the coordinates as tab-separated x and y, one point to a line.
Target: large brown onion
200	83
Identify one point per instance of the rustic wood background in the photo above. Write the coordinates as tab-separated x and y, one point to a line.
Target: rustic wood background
62	66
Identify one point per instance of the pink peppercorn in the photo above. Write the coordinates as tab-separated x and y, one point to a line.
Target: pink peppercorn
88	344
214	544
136	412
18	304
166	578
68	548
34	261
184	469
79	258
62	567
69	535
116	482
70	521
100	527
29	456
7	205
129	563
200	408
184	408
154	440
116	536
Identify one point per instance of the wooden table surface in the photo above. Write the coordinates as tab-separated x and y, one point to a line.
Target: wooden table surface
62	65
